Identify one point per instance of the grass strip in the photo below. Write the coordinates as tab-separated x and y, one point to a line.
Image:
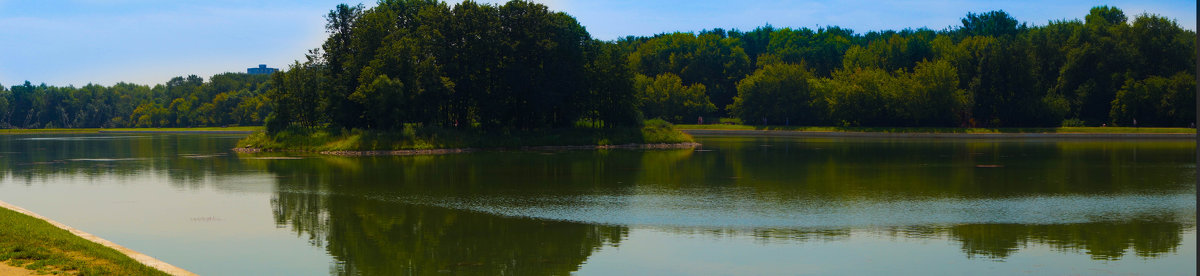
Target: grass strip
1102	130
36	245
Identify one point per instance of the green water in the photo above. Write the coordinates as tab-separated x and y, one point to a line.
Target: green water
740	206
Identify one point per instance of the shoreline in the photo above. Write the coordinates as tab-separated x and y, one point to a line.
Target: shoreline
466	150
174	130
177	131
853	134
136	256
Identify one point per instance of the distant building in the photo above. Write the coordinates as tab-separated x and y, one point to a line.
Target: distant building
262	69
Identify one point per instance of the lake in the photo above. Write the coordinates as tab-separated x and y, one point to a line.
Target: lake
736	205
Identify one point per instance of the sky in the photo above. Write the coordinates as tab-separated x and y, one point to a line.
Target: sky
76	42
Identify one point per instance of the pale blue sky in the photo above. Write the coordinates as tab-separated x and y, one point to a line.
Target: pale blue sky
75	42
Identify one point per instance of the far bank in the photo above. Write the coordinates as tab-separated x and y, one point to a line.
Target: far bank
920	132
175	130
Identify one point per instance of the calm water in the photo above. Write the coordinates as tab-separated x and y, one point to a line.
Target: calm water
775	206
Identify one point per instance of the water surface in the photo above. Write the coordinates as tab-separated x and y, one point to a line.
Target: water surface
734	206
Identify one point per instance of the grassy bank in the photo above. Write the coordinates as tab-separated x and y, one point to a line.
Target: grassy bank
98	130
36	245
414	138
1110	130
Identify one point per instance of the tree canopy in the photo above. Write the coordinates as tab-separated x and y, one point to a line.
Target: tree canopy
516	66
226	99
1008	74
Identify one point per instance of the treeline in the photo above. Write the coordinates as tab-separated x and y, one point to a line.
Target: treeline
990	72
519	66
226	99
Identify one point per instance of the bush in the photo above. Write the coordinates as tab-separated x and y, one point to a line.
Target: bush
1073	123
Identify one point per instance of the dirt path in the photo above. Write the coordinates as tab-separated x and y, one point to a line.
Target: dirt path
9	270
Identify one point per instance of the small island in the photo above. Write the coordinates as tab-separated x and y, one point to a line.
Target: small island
524	77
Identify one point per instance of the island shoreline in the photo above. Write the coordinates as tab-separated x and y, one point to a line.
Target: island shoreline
466	150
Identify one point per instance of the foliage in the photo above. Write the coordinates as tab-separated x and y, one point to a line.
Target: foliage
1009	74
516	66
862	97
993	23
665	97
778	93
927	96
712	60
226	99
1155	101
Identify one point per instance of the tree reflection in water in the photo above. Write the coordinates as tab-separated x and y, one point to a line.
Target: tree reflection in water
358	208
430	214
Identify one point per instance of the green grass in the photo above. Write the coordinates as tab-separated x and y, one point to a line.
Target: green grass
1105	130
184	129
654	132
47	130
36	245
97	130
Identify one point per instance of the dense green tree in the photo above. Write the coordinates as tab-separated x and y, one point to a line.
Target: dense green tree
611	97
993	23
666	97
1048	51
296	97
1161	46
934	98
1002	87
339	60
754	42
894	52
1156	101
862	96
180	102
5	108
778	94
516	66
717	63
1096	65
927	96
821	49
